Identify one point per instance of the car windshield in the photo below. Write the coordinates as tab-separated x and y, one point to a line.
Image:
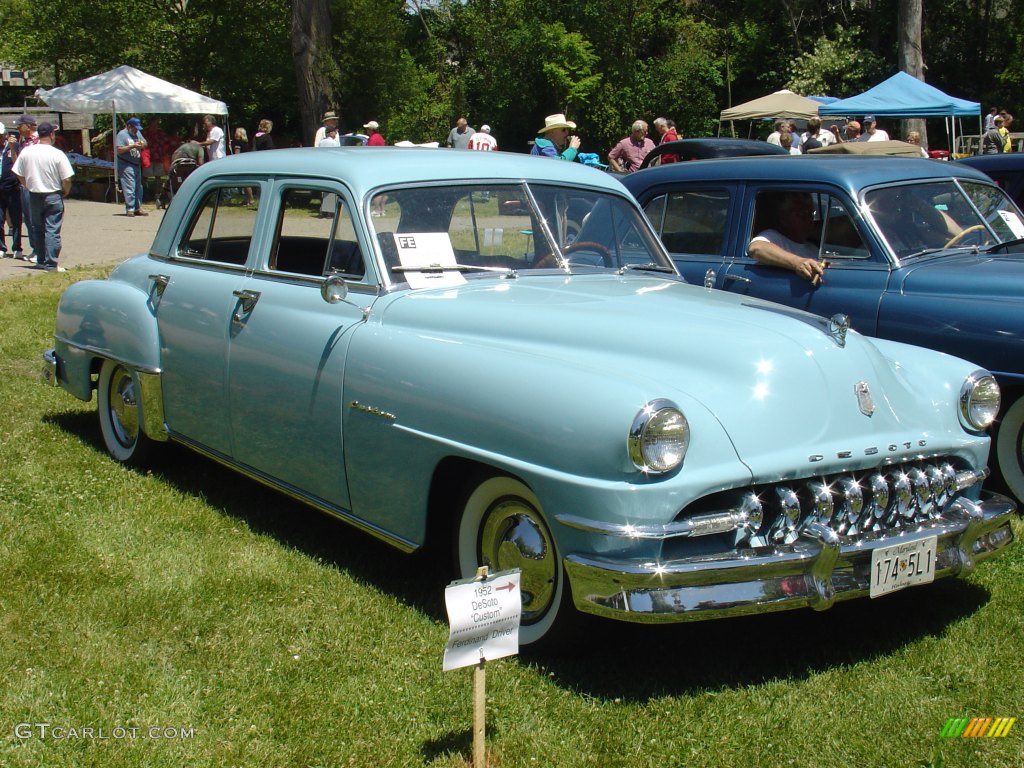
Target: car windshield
916	219
431	233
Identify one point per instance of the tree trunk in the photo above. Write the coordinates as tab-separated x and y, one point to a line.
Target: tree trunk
315	71
911	56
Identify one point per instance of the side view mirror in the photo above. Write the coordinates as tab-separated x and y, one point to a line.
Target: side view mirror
334	289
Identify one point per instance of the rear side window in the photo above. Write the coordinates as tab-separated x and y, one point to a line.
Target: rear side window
691	221
221	228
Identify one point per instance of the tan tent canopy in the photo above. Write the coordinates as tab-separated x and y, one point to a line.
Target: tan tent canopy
779	104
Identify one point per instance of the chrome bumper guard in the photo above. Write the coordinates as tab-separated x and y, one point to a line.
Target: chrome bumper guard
50	371
813	572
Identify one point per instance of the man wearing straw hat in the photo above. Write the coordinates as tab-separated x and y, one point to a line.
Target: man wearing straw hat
556	140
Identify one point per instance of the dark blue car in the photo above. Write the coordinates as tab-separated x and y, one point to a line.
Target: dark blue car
1006	169
914	250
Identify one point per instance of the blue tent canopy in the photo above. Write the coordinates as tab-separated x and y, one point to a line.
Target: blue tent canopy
902	95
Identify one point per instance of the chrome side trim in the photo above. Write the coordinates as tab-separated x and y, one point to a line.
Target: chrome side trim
405	545
814	571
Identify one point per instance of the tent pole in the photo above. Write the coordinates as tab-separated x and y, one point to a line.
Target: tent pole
113	141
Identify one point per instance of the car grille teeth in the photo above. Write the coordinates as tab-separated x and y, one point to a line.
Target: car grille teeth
896	498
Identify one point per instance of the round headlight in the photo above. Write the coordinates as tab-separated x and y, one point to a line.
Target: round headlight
979	401
659	437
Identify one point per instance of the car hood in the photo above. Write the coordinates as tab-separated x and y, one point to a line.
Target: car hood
772	377
981	275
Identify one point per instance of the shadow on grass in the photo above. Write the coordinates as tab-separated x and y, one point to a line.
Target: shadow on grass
610	659
292	523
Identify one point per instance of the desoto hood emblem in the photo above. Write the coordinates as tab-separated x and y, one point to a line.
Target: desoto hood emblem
864	401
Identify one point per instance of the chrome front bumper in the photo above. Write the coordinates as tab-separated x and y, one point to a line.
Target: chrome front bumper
814	572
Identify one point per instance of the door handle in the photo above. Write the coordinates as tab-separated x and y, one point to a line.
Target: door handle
737	279
160	283
246	301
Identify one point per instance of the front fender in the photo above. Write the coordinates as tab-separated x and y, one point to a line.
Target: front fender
104	319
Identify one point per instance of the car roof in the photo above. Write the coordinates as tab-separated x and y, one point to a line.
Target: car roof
1004	161
366	168
849	172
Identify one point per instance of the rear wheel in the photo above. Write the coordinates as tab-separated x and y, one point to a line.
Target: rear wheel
120	413
502	526
1010	448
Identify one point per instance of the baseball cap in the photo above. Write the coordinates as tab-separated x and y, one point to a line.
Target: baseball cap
134	122
46	129
869	119
25	120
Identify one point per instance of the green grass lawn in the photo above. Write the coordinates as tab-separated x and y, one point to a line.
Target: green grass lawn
252	631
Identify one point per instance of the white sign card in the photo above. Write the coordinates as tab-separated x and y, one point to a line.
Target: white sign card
484	617
430	252
1013	222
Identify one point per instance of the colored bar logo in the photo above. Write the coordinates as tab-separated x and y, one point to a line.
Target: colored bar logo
977	727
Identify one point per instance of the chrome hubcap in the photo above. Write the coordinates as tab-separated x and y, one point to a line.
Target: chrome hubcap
124	414
514	537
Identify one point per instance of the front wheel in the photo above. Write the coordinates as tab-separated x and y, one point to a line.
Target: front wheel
120	412
1010	448
502	527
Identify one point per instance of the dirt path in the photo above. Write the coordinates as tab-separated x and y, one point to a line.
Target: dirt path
93	233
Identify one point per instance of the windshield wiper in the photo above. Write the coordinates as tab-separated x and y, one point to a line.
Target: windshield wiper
453	268
652	267
1015	243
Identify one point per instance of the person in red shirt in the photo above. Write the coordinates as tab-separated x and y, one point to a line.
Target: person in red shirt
667	129
372	129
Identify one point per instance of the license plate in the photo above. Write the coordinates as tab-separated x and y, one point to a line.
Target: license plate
902	565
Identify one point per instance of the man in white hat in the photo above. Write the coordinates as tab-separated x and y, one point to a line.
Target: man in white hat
556	140
372	129
482	140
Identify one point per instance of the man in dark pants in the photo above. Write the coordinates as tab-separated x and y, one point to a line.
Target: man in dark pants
10	198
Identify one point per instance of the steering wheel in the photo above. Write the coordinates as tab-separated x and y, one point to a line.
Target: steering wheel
955	239
590	245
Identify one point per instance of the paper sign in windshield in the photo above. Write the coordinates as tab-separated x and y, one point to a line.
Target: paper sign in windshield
428	258
1013	222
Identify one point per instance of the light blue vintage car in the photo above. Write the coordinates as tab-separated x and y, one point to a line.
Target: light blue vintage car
494	353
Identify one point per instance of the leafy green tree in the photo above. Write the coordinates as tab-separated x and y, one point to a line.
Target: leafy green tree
836	66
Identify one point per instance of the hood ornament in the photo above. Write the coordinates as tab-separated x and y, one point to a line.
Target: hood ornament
838	325
864	399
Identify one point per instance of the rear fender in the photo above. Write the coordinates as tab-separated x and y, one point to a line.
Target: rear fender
103	319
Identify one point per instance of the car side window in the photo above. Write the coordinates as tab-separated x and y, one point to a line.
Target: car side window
691	221
222	226
832	231
315	236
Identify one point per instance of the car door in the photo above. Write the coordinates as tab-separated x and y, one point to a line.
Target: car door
288	345
693	222
196	300
857	271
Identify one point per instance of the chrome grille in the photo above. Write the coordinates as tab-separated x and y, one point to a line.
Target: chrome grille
853	504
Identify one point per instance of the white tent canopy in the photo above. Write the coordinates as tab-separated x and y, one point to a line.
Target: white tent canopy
126	89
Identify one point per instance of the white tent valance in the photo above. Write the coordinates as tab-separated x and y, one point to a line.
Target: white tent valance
128	90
